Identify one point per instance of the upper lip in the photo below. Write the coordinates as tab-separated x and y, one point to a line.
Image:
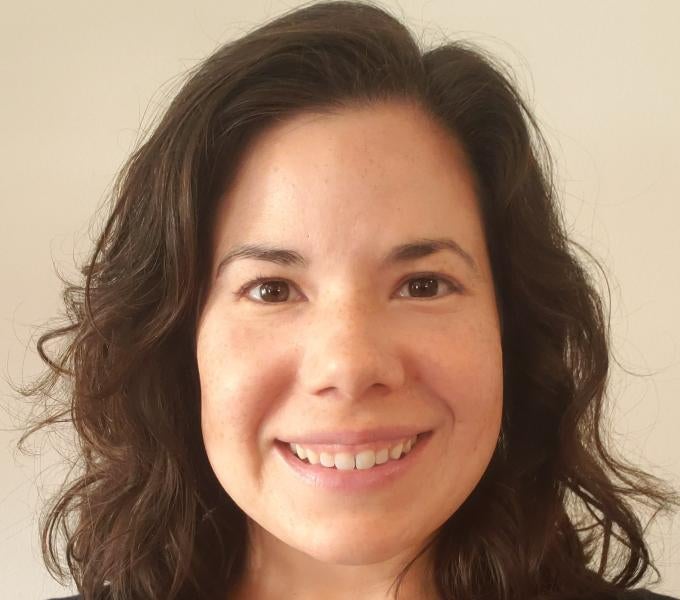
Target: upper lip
353	437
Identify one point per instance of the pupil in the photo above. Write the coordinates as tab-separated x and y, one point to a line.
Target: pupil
417	286
272	290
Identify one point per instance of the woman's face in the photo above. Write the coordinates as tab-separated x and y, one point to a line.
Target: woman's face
350	336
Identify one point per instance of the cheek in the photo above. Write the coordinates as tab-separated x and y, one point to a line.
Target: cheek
465	370
465	376
233	402
237	387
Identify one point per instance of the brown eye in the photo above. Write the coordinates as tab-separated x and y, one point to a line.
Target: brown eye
271	291
427	286
264	290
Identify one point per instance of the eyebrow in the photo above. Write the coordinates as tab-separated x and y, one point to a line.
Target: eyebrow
399	254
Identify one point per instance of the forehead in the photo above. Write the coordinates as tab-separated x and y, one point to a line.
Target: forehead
388	137
373	166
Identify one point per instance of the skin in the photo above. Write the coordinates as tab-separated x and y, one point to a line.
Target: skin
351	347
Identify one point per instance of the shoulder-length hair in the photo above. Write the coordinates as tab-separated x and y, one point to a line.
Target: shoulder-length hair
552	517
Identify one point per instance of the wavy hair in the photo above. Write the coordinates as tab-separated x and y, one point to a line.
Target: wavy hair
555	514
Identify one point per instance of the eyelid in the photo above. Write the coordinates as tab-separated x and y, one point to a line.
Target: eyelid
454	286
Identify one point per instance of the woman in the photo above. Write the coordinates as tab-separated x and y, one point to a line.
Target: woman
333	341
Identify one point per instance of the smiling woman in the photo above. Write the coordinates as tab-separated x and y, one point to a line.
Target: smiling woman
334	342
363	353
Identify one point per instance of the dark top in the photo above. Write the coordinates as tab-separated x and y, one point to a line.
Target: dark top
639	594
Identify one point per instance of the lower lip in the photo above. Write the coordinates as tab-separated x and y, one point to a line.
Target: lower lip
356	479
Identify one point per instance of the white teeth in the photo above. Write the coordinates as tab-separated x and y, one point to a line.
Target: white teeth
365	459
327	460
395	452
382	456
312	457
346	461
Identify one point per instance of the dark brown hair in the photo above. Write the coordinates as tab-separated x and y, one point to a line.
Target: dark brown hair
554	515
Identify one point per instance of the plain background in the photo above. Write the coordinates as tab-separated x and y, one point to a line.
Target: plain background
80	82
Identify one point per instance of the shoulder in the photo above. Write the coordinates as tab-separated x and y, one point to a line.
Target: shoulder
643	594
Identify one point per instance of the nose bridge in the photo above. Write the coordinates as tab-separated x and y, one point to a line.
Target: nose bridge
348	350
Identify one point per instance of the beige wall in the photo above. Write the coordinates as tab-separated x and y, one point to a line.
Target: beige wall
79	78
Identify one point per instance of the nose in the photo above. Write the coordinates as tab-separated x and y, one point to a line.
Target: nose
349	353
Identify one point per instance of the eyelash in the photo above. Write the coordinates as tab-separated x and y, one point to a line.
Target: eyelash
453	287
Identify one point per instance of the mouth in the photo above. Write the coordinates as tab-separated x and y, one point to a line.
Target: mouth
354	471
360	457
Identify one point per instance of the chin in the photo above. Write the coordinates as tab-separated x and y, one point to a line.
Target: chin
363	548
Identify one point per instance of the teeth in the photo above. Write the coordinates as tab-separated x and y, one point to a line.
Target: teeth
366	459
327	460
312	457
382	456
395	452
346	461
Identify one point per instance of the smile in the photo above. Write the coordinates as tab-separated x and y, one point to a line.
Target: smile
346	471
346	461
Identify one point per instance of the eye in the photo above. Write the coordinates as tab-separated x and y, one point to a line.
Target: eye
276	291
427	285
